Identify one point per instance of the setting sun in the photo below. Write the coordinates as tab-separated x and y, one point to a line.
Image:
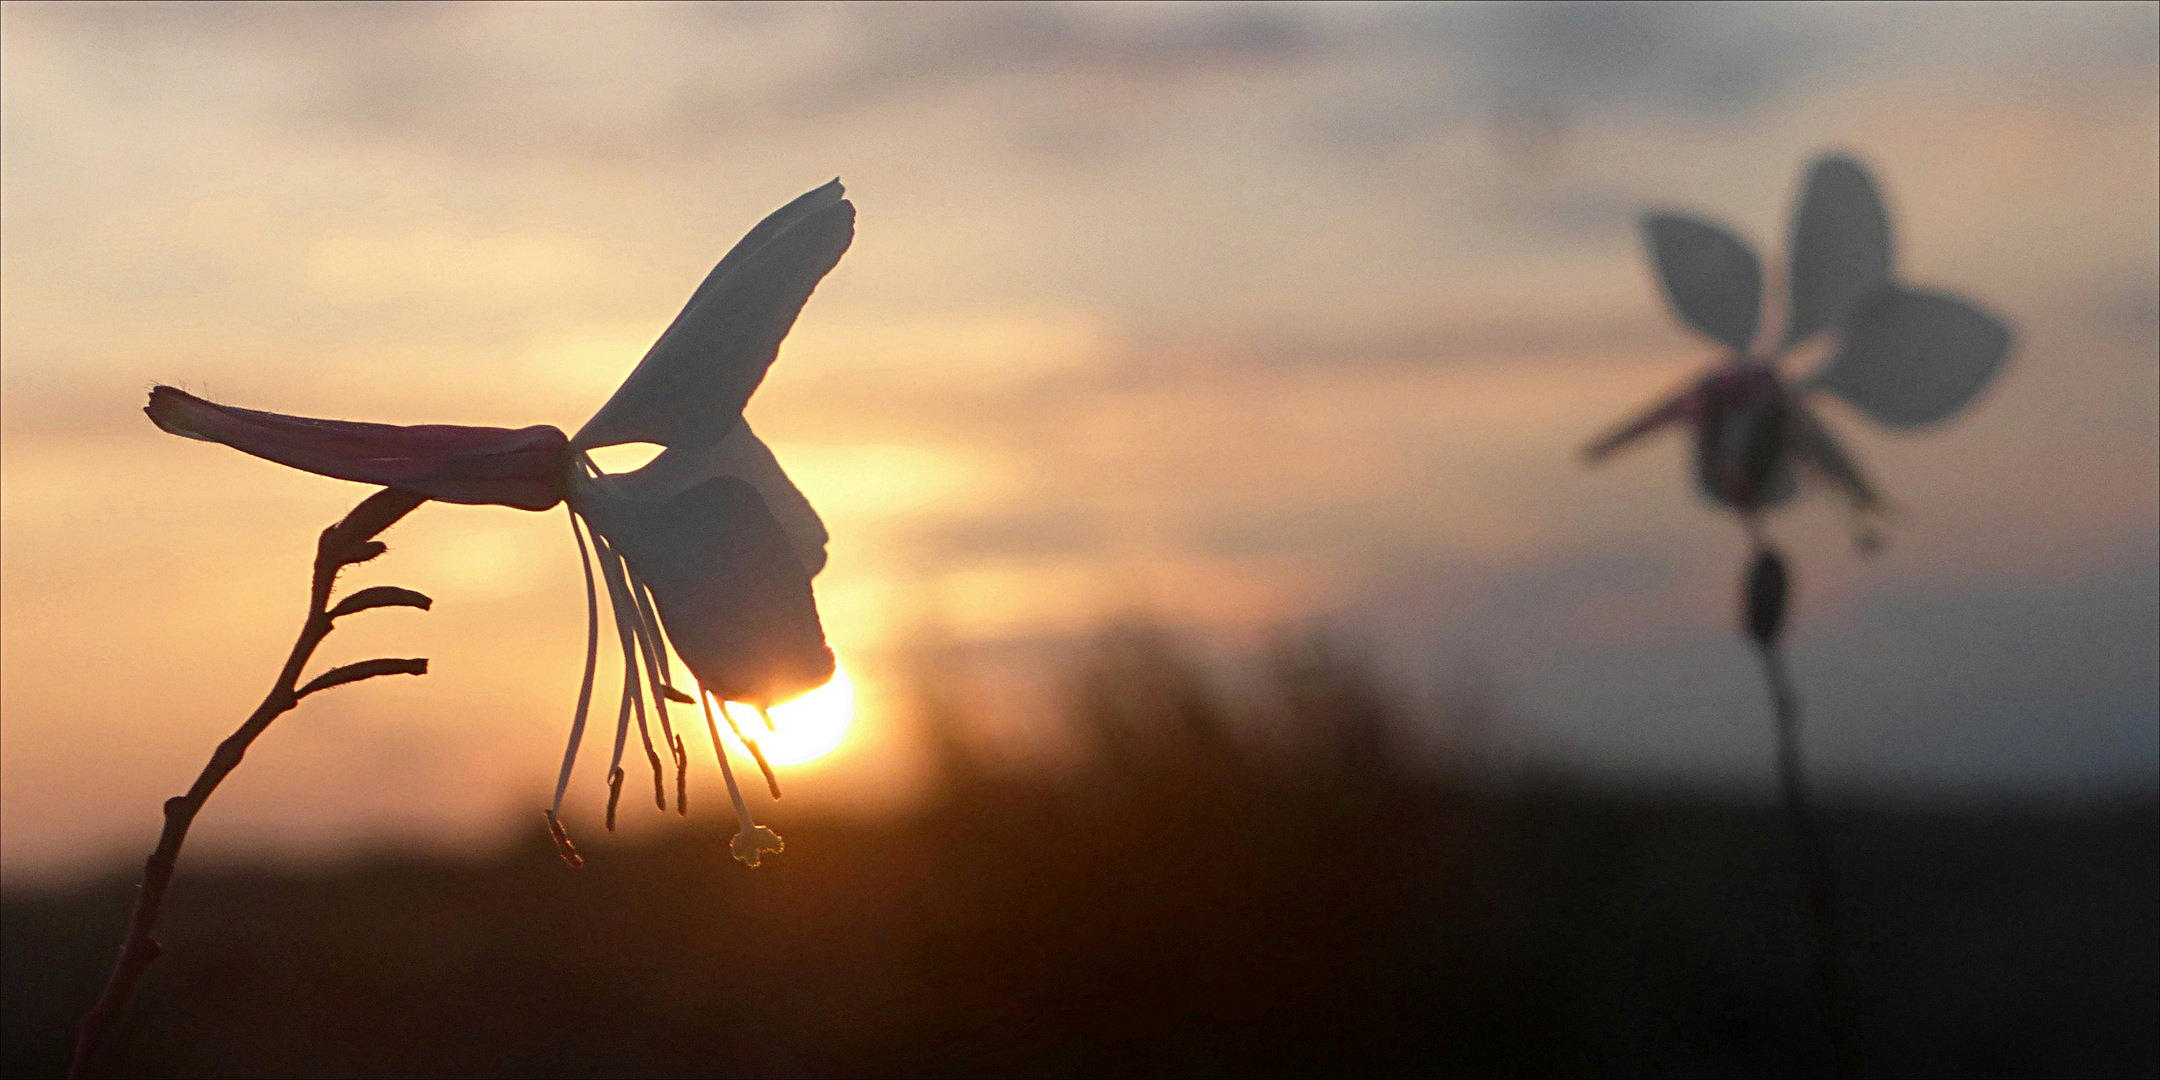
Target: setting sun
808	727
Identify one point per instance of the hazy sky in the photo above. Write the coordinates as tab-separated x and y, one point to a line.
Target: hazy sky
1244	318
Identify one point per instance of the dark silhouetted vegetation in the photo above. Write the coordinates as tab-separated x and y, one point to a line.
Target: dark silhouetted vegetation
1255	889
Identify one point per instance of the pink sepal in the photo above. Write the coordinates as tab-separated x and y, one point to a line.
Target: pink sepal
524	468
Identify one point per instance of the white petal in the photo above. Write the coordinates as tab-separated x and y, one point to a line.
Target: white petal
734	600
1840	246
1710	275
1910	358
691	387
742	455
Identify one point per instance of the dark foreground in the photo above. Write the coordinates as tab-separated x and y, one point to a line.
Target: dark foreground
1189	905
1544	936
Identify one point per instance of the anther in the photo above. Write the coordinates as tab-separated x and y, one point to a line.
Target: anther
682	779
561	836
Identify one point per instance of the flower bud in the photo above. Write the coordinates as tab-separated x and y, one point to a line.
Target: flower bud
1765	598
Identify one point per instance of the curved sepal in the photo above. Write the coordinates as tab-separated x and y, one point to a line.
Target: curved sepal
732	596
1910	358
451	462
1840	246
692	385
1711	276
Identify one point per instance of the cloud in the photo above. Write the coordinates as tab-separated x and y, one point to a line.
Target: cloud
686	80
1682	57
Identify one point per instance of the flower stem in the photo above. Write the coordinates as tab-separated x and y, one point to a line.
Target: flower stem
350	540
1764	590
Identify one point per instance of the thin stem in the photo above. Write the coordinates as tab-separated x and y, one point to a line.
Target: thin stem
1824	951
351	540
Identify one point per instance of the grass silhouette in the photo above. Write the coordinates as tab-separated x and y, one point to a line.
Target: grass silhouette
1267	883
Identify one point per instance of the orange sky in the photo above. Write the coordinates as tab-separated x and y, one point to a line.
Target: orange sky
1237	317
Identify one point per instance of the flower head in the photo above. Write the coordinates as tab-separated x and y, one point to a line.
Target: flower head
708	547
1903	357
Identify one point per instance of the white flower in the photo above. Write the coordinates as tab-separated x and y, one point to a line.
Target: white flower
1903	357
708	547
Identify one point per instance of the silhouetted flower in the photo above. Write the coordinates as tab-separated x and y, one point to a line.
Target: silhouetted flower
1903	357
708	546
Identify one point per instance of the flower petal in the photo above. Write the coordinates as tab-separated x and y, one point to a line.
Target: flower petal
733	597
1840	246
1910	358
692	385
1710	275
742	455
523	468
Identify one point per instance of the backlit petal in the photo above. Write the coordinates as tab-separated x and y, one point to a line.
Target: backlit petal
742	455
692	385
1910	358
1840	246
1710	275
733	597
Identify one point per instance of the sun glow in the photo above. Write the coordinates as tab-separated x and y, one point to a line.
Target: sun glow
806	728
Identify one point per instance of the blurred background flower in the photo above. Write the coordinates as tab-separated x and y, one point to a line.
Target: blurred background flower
1903	357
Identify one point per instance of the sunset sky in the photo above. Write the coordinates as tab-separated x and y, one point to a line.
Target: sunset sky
1233	319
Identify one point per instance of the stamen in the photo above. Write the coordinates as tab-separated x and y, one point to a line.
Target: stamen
664	685
742	809
561	836
659	779
593	473
584	701
653	646
614	795
611	572
750	844
772	783
635	651
682	779
650	612
769	725
637	654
